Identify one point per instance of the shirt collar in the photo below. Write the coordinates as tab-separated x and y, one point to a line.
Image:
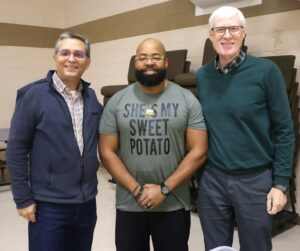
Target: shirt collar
60	86
234	64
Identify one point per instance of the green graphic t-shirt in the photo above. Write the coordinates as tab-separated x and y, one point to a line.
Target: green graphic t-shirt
151	130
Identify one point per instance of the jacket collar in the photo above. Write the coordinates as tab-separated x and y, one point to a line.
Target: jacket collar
85	85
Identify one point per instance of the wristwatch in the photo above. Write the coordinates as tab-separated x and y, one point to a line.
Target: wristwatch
164	189
282	188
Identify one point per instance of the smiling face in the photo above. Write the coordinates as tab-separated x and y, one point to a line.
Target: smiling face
70	66
227	45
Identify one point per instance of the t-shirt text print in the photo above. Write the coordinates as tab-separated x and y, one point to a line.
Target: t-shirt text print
149	127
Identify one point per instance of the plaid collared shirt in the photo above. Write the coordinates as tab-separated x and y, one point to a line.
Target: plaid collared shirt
75	104
233	65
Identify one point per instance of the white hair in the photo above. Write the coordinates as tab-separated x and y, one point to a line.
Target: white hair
226	12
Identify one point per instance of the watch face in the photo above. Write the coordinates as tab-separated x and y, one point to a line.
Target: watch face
282	188
165	190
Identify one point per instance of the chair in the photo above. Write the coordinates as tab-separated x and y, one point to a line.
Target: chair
177	64
2	167
2	162
188	81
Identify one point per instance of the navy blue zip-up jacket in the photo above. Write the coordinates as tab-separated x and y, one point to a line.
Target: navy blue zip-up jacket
43	156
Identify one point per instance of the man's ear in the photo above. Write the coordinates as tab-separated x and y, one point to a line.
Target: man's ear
166	62
210	35
88	63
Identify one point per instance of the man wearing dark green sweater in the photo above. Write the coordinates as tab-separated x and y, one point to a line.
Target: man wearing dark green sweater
251	140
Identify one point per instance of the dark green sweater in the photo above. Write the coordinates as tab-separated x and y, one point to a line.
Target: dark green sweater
248	118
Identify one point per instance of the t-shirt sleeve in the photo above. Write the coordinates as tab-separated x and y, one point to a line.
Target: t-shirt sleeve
108	122
196	119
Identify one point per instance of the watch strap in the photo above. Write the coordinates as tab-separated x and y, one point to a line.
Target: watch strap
282	188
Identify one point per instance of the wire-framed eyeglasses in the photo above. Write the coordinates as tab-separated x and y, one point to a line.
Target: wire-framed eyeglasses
68	53
233	30
154	57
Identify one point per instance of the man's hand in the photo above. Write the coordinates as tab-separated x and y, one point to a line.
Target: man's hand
28	213
151	196
276	201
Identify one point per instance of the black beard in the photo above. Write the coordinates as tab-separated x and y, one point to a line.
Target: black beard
150	80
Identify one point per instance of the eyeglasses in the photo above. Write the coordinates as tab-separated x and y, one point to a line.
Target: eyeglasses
234	30
68	53
154	57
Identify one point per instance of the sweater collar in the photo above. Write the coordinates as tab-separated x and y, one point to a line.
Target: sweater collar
234	64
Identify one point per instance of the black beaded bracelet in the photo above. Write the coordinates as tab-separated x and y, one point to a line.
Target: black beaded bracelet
134	190
140	192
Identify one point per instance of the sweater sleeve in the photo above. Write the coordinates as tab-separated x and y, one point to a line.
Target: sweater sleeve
281	126
18	149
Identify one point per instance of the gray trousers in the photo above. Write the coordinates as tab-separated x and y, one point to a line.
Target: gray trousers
225	200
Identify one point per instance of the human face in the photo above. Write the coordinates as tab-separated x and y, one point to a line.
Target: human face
227	45
150	63
70	68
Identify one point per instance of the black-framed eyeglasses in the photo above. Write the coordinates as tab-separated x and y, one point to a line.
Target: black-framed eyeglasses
233	30
154	57
68	53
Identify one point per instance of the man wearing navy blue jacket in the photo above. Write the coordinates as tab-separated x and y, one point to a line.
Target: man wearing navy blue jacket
52	152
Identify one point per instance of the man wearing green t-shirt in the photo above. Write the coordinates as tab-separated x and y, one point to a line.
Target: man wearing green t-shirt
251	140
152	139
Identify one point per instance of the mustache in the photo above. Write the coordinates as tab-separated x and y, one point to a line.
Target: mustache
151	69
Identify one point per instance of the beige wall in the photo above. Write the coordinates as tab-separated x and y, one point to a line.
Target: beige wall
19	65
33	12
78	13
65	13
267	34
274	34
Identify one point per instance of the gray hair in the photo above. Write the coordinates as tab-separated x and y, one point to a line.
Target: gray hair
72	35
226	12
